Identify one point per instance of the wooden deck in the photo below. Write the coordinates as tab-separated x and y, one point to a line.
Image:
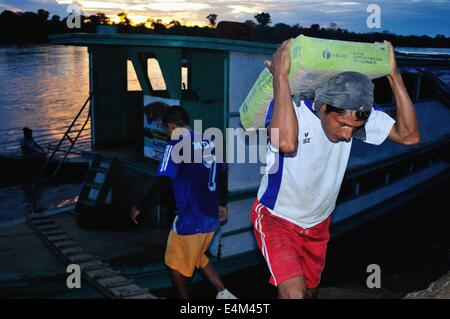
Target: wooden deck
107	280
25	257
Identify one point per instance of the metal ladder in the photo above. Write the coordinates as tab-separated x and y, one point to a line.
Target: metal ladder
40	178
97	184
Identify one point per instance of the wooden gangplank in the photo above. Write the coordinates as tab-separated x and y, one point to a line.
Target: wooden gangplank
107	280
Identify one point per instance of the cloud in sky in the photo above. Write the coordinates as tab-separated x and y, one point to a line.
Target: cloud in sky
401	17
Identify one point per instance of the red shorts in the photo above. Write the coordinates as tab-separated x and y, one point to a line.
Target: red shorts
289	249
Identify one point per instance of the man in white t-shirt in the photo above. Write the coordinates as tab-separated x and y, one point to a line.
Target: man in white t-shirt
307	157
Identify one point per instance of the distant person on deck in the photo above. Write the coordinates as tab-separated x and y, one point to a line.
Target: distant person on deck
31	149
200	195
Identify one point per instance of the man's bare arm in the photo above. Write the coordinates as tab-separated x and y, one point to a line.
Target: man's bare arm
283	130
406	129
153	192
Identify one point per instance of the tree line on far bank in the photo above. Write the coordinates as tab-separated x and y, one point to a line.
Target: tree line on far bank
35	27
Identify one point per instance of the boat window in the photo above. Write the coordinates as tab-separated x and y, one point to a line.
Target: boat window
410	81
155	75
383	91
184	78
186	88
426	88
132	80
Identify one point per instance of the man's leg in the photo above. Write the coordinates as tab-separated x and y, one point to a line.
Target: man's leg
293	288
312	293
213	277
179	282
315	245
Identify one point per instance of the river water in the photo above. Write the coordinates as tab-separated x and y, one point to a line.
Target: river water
43	87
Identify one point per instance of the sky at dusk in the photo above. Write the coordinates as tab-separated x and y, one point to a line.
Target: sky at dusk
401	17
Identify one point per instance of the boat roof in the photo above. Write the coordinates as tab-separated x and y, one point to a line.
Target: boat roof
155	40
109	38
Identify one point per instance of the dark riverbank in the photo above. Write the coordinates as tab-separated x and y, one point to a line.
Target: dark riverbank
37	27
411	244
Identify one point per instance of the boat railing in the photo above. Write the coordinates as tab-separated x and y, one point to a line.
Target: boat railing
41	176
363	179
52	148
360	181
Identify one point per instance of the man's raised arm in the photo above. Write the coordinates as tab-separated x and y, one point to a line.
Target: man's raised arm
283	129
406	129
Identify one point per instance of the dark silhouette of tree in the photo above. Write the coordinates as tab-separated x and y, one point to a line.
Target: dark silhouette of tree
332	26
91	22
263	19
56	19
43	14
158	26
212	17
174	23
35	27
123	16
99	18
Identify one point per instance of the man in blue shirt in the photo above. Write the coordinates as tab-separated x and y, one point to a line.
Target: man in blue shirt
199	188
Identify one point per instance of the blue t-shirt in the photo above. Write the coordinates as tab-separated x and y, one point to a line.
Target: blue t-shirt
195	183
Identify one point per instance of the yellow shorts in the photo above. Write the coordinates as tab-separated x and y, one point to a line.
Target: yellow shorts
185	252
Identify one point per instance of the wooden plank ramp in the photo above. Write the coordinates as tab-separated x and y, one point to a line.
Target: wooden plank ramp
107	280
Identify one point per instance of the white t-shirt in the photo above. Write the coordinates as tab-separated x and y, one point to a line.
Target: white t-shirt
303	188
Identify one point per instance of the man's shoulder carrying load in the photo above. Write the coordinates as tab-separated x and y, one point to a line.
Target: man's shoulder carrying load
313	61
